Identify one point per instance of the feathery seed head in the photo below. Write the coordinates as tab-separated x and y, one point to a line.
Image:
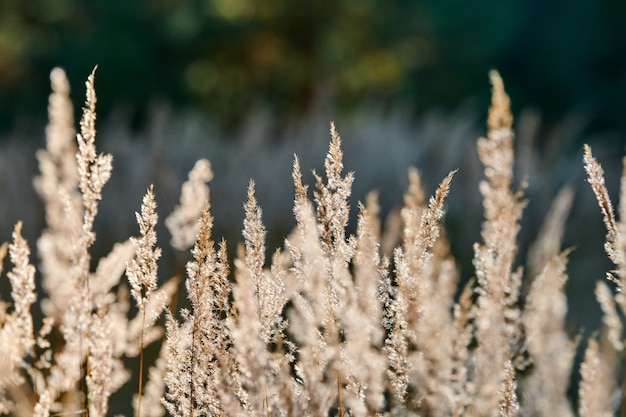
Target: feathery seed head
142	270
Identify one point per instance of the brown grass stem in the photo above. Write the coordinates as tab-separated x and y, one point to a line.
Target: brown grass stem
141	348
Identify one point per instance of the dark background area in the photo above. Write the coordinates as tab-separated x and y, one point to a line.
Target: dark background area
227	56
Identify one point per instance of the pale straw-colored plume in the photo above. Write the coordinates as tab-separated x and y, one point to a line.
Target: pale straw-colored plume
58	188
423	331
614	245
142	273
201	373
596	359
497	315
551	352
183	223
596	385
142	270
17	339
258	324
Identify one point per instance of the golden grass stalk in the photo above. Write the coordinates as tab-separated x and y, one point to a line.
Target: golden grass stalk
615	247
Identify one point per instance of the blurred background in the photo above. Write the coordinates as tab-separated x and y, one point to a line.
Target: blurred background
225	57
249	83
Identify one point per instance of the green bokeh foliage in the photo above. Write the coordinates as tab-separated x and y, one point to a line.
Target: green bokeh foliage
228	55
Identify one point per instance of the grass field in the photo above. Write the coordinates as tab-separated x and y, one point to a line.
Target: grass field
372	322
